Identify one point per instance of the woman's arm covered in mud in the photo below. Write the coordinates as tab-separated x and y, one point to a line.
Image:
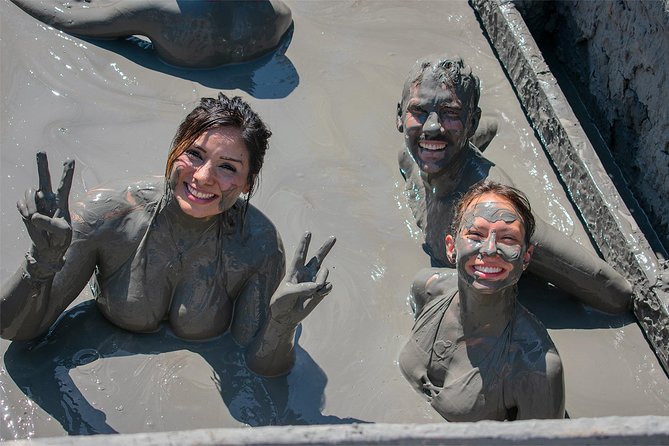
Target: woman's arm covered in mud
430	283
272	352
56	268
252	305
570	267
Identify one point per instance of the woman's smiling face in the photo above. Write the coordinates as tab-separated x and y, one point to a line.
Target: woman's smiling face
209	176
490	248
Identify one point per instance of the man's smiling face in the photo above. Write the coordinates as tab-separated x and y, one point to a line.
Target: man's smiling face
437	124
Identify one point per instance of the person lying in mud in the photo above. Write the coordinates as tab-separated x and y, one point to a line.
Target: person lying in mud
186	250
439	114
474	350
184	33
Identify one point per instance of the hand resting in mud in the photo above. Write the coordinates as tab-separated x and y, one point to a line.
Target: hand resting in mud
187	250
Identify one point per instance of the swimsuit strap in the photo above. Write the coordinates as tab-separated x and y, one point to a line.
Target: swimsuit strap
438	306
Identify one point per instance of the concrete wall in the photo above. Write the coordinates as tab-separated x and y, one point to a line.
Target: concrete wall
613	227
616	54
591	431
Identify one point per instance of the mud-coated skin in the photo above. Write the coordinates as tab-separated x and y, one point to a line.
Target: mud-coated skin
480	357
185	33
433	190
475	351
512	253
152	263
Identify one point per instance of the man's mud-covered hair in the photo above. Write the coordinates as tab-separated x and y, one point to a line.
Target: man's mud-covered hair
451	71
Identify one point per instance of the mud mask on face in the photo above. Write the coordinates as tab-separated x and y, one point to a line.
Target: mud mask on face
513	254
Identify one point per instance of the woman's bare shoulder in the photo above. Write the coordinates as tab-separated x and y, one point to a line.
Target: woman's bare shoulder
257	223
107	204
260	233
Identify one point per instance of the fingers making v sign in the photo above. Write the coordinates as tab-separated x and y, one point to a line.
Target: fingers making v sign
46	216
305	284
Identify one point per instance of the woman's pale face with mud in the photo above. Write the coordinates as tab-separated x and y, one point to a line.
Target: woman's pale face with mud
490	248
209	176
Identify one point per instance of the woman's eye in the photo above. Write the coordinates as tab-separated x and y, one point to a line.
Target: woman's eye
228	167
510	239
192	153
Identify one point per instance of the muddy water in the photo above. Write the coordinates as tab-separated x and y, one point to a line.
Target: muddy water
330	100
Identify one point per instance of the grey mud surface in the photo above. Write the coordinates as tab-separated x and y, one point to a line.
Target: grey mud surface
330	101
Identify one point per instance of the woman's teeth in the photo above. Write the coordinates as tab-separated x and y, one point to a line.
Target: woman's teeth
200	195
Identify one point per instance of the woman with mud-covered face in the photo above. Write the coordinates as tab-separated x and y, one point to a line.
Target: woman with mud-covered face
475	351
188	251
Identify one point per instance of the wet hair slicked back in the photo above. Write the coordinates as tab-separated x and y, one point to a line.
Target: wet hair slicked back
451	71
517	198
223	112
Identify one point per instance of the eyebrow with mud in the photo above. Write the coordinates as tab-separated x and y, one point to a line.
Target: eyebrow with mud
224	158
227	158
489	211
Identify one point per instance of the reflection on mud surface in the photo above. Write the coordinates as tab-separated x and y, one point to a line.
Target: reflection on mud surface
72	376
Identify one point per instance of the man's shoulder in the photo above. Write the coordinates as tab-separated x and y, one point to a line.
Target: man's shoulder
408	167
499	175
487	168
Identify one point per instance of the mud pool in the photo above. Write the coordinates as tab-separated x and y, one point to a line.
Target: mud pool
329	95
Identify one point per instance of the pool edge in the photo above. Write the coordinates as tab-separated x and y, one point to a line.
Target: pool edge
608	219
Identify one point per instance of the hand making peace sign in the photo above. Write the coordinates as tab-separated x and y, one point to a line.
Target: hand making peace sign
304	286
47	218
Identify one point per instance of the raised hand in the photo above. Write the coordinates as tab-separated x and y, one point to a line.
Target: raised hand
47	219
305	284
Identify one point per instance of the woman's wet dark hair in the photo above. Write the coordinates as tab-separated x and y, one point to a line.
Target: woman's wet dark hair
224	112
517	198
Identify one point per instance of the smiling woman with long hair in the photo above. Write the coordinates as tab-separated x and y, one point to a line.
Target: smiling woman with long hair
188	251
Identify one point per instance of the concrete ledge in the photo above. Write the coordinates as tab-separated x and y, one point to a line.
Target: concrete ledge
610	222
645	430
